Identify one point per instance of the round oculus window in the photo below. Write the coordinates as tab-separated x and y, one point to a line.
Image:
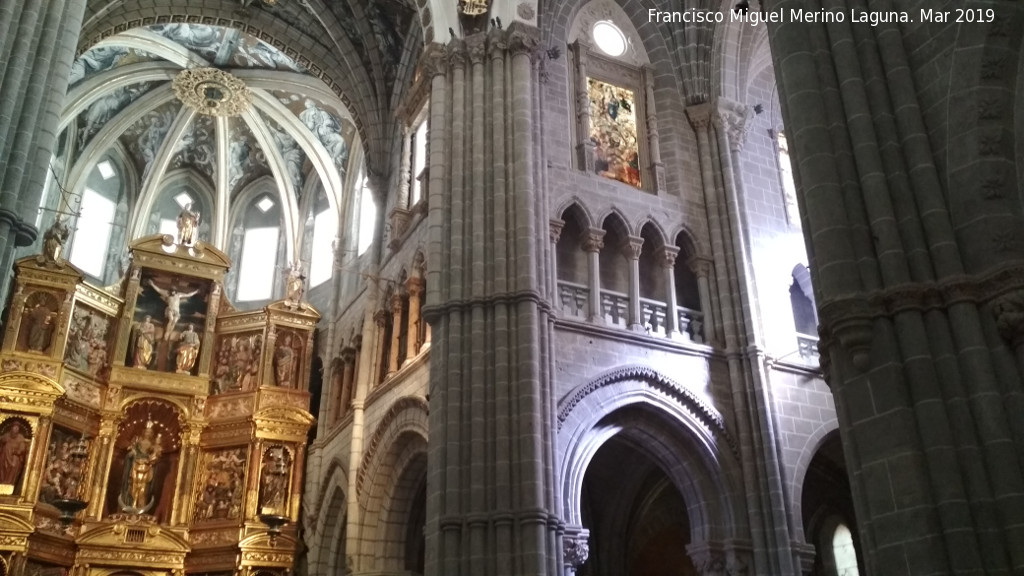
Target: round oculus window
609	38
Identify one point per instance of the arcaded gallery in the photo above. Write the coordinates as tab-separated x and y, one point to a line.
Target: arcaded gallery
512	288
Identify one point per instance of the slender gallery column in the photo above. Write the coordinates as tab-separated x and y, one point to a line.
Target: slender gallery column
667	259
380	319
396	333
414	285
701	268
910	199
592	243
554	234
348	360
631	249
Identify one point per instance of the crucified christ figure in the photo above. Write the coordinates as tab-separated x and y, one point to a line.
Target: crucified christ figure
173	312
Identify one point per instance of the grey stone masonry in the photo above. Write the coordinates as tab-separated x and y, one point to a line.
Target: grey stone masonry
490	484
36	52
909	188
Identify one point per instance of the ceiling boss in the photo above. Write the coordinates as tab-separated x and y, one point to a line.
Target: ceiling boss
212	92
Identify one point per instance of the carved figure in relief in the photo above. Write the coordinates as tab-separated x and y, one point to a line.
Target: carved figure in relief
87	346
188	350
14	444
188	226
143	453
237	364
63	470
145	339
220	497
284	362
173	300
40	320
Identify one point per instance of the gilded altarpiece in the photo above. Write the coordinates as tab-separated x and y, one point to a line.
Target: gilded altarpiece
148	427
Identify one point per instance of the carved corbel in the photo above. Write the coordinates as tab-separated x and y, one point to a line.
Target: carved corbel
575	550
1009	314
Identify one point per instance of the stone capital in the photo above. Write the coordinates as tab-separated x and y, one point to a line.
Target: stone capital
575	550
348	354
497	43
555	229
522	38
456	54
699	116
666	256
476	48
434	61
701	266
735	119
632	246
414	286
592	240
381	317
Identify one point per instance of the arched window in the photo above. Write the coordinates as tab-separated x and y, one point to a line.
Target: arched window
103	212
364	225
260	243
786	175
418	162
801	296
613	89
844	554
323	221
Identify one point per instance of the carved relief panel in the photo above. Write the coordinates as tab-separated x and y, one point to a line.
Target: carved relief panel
221	485
237	362
89	341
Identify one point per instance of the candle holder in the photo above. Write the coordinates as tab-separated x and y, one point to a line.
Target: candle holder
274	524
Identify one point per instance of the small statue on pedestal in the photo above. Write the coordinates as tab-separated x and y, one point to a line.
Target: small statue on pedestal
188	351
143	453
53	242
295	285
188	226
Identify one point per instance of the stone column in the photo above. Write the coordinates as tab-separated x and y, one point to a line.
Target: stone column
667	258
702	270
396	332
490	492
592	243
905	193
631	248
555	233
653	141
40	39
414	286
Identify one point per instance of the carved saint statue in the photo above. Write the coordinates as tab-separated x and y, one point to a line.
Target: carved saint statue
145	340
188	226
274	480
188	350
143	453
284	362
54	239
295	284
14	445
173	299
40	328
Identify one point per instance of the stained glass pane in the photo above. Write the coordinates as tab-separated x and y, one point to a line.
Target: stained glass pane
613	132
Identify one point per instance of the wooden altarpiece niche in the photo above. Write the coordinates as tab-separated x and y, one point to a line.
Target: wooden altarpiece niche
178	424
